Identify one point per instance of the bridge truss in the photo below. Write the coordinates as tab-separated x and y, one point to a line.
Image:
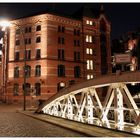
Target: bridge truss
117	110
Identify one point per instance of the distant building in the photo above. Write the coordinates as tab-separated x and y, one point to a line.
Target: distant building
60	51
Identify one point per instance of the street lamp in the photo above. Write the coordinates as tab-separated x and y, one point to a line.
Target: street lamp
5	24
4	52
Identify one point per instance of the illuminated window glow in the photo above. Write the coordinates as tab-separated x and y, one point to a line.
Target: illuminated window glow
89	22
90	64
89	38
89	76
89	51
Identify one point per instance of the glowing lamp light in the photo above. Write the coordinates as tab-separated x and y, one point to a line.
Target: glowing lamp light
62	84
4	24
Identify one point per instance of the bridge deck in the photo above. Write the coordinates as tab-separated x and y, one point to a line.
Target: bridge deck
88	130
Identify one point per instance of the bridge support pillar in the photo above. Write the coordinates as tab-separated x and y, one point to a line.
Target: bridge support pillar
118	110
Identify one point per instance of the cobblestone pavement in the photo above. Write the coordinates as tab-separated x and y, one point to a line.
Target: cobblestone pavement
14	124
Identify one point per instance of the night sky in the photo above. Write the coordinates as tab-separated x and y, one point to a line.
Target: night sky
124	17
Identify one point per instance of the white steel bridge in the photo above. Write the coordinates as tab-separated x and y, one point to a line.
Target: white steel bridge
82	102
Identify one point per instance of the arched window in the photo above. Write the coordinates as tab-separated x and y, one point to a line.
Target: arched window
77	72
61	70
16	89
16	72
38	70
28	88
37	89
27	70
38	28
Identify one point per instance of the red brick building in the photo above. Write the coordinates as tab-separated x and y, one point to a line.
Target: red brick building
60	51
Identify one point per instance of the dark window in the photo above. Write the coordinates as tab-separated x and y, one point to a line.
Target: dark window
61	70
76	56
77	72
27	41
28	54
18	31
28	30
38	70
61	55
37	89
28	88
16	72
76	32
38	52
17	42
76	42
27	71
16	56
61	29
38	39
61	40
38	28
16	90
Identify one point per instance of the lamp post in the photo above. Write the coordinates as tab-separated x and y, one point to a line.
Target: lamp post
24	69
4	53
4	24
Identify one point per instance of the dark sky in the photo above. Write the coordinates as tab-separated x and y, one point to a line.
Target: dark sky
123	16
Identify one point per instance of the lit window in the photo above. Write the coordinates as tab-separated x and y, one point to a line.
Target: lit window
87	51
89	76
87	22
89	38
90	64
90	22
91	51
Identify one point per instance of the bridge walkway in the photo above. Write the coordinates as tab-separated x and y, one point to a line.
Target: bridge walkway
89	130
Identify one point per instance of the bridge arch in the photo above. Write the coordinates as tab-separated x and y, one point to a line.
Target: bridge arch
82	103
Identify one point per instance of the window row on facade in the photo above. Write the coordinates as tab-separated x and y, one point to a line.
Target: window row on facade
29	89
61	29
28	41
27	71
60	70
28	54
61	40
28	29
76	32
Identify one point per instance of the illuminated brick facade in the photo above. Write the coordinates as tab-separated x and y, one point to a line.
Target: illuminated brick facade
61	51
